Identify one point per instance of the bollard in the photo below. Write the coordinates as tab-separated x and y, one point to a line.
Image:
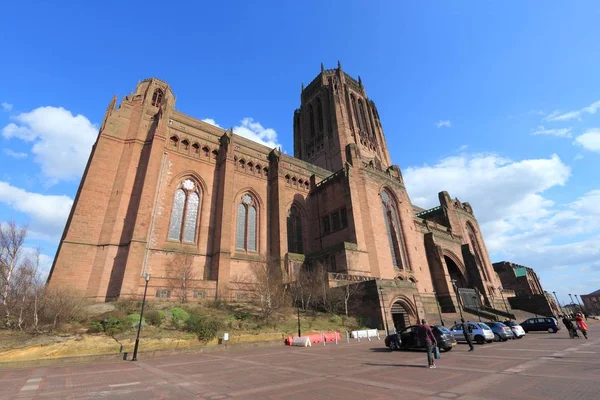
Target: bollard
336	339
347	337
323	337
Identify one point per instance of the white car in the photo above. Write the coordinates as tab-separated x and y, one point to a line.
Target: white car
516	328
480	331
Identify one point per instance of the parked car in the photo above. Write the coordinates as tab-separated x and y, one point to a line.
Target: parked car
480	331
517	329
540	325
501	331
408	338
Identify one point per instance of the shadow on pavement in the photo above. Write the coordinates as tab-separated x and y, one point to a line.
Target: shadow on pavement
399	365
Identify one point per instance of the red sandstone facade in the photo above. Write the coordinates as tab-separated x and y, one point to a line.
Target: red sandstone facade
161	183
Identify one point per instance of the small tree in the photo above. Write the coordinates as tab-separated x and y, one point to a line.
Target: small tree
351	290
12	238
181	276
63	305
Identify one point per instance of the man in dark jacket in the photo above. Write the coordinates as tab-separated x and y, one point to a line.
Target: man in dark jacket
466	328
426	336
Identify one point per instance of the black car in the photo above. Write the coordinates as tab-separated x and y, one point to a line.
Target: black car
540	325
408	338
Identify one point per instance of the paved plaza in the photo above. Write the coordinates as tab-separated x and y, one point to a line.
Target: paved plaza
539	366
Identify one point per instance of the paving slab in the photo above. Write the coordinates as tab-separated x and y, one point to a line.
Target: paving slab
539	366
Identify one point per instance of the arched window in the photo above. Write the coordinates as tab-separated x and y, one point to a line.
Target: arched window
320	115
392	226
476	250
184	213
354	112
294	231
363	118
311	116
246	224
157	97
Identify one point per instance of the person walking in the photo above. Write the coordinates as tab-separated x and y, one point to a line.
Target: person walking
570	327
581	324
426	336
466	328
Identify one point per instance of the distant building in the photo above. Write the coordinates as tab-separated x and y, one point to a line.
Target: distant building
591	302
529	295
523	280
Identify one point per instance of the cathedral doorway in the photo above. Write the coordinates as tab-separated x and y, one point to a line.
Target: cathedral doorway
455	273
400	316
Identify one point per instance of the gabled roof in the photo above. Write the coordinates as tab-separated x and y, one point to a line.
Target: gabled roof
597	292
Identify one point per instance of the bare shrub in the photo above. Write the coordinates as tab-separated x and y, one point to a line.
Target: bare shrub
63	305
265	288
181	276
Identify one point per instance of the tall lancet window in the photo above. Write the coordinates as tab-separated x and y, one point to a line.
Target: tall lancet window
476	250
184	213
363	118
393	229
354	111
311	117
294	231
246	225
320	115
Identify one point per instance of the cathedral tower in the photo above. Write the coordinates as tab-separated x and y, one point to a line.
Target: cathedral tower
335	112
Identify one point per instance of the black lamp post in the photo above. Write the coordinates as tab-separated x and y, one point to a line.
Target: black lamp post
457	298
387	332
438	307
504	301
137	339
583	310
477	307
299	331
558	303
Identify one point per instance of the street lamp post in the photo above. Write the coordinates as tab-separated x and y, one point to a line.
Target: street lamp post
438	307
477	307
387	332
558	303
457	298
583	309
299	331
137	339
572	301
503	301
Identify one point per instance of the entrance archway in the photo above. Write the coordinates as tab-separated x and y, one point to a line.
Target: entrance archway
400	316
455	273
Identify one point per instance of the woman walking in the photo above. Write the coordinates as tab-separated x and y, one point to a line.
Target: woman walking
581	325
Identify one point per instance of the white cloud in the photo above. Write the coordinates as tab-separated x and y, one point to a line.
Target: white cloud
578	156
503	193
564	116
562	132
6	106
14	154
445	123
589	140
463	147
47	213
254	131
211	121
61	141
519	221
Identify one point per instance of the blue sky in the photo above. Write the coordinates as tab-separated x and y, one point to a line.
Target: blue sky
493	101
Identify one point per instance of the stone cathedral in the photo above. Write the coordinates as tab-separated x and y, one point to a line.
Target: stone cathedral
160	183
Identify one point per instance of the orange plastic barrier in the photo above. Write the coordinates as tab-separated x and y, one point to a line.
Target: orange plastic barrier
317	338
